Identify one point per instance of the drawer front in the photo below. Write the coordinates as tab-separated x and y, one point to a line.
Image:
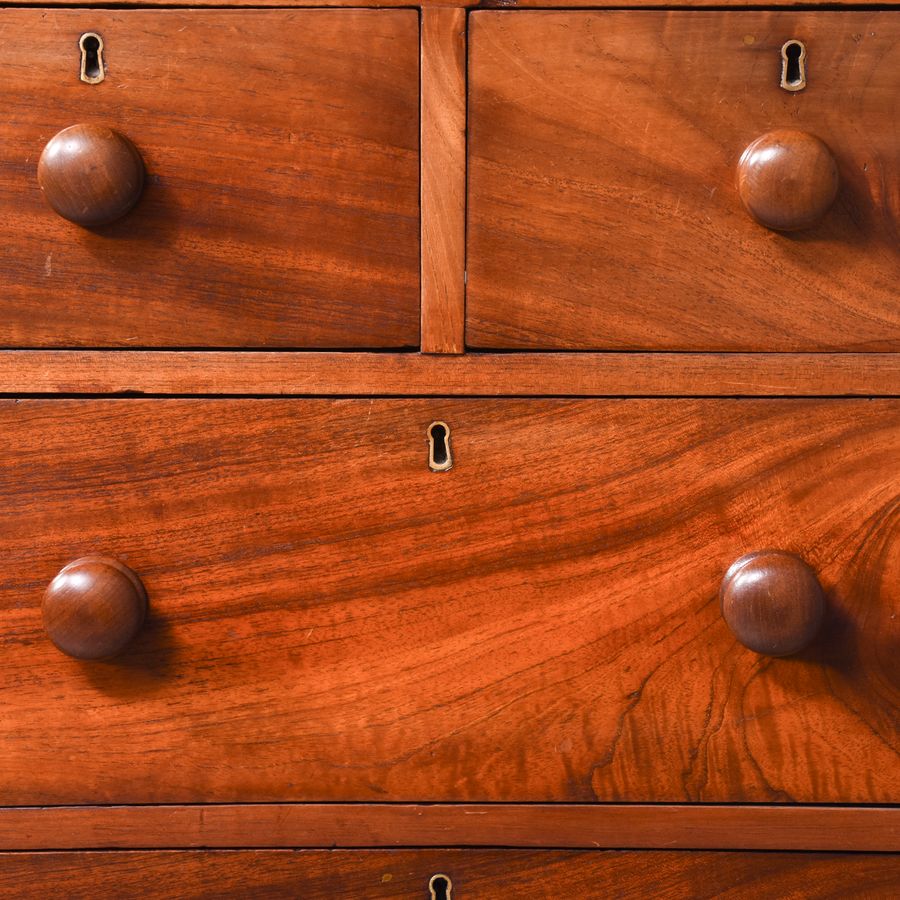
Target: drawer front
332	620
606	150
395	874
280	200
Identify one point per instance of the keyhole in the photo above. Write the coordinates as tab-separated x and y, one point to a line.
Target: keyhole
439	456
92	69
440	887
793	66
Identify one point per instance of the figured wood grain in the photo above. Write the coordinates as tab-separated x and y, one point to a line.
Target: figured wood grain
592	826
281	201
505	374
603	210
443	152
330	620
474	874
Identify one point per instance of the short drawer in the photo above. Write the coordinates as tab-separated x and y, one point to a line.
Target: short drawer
448	874
331	619
279	152
690	180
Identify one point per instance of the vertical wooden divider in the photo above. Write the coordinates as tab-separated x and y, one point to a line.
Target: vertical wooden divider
443	185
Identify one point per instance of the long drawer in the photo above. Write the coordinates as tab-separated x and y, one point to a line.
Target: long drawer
476	600
447	874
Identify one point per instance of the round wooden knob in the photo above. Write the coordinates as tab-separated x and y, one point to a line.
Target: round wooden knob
787	180
94	607
91	175
773	602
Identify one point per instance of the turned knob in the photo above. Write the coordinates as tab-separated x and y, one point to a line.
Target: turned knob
94	607
772	602
787	180
90	174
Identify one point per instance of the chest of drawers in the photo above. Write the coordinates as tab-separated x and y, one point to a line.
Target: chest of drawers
450	452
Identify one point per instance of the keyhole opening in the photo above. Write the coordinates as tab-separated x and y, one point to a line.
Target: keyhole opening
439	456
440	887
793	66
92	68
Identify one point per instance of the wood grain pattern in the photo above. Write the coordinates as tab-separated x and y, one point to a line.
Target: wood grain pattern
443	149
603	208
485	374
475	874
486	4
281	201
333	621
694	826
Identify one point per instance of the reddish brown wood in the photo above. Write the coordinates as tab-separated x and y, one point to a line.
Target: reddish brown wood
487	4
472	874
603	210
443	148
788	180
510	374
282	194
94	608
440	825
772	602
91	175
333	621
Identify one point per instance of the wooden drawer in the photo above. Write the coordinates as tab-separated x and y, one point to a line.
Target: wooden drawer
280	205
332	620
492	875
604	209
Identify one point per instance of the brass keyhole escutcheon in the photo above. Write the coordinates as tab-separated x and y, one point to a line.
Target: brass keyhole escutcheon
440	887
440	457
793	66
93	69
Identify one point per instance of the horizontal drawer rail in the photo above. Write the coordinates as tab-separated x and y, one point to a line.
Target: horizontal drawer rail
266	373
626	826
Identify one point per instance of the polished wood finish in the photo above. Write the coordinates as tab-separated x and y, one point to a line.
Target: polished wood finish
520	628
91	175
474	874
773	602
469	4
788	180
482	374
281	206
603	210
94	608
693	826
443	148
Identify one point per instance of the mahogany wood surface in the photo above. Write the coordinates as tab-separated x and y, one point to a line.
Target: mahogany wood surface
443	151
591	826
398	374
91	175
281	205
94	608
603	209
462	4
331	620
491	875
